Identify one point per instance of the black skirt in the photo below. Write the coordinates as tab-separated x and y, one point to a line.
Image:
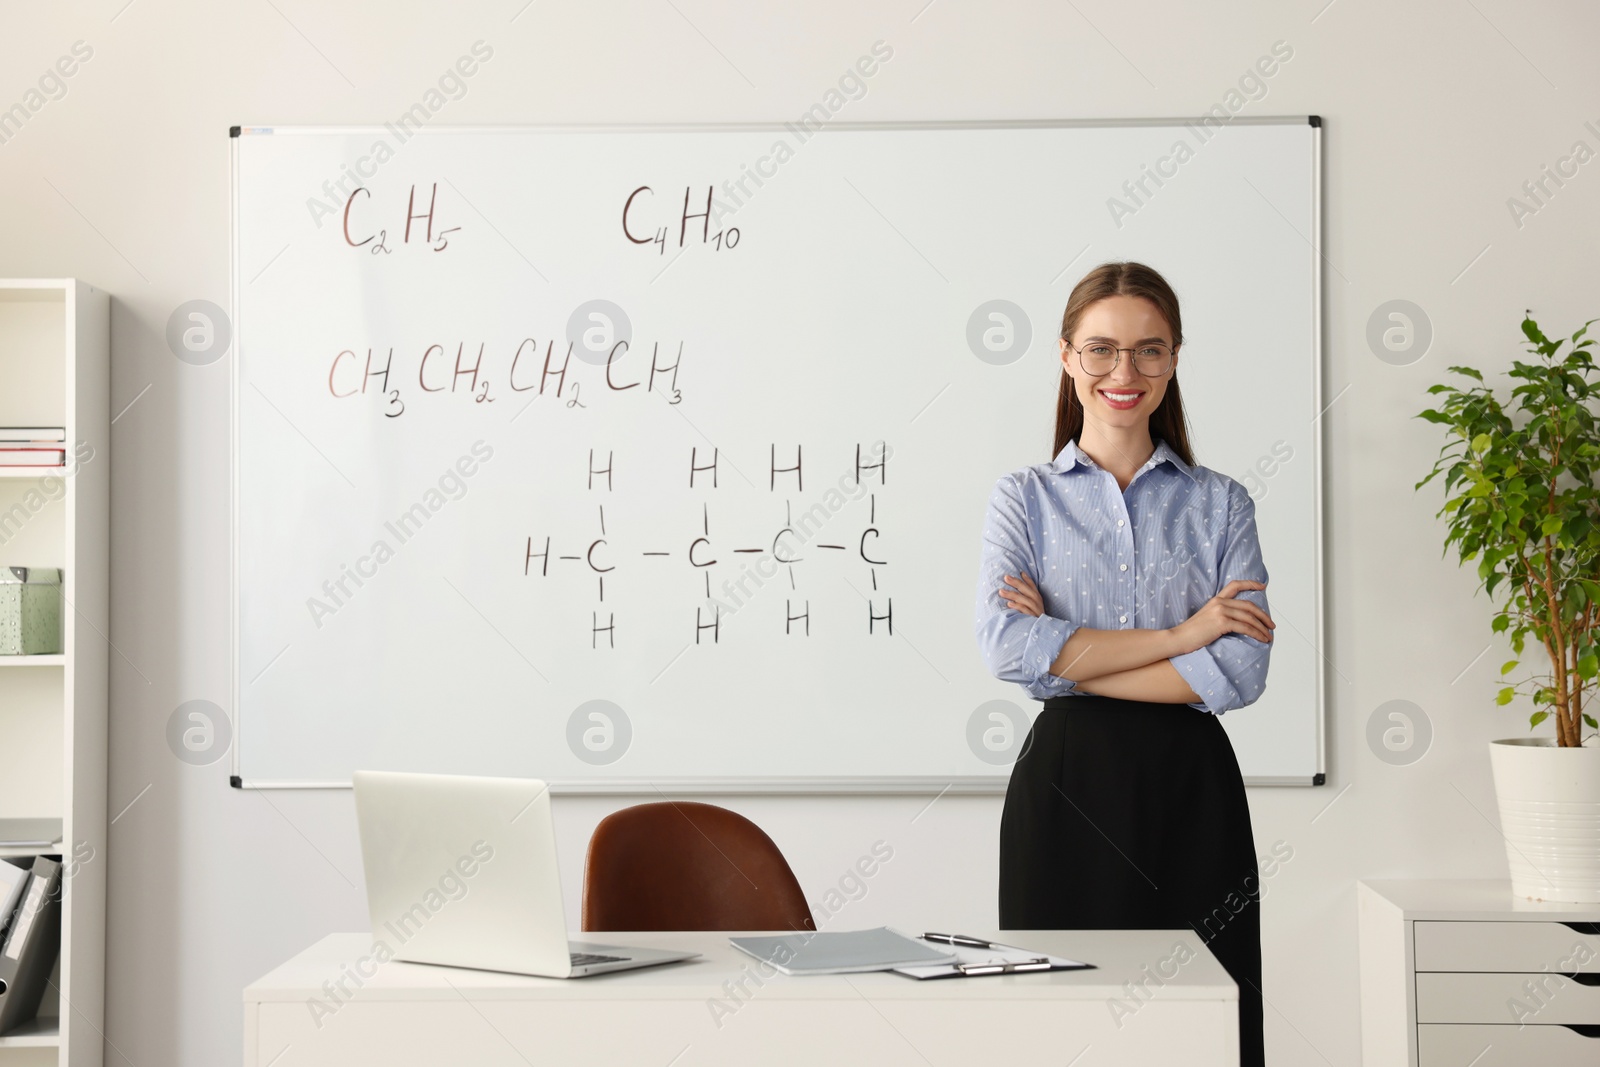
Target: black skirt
1129	814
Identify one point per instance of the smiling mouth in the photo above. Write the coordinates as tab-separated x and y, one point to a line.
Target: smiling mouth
1120	396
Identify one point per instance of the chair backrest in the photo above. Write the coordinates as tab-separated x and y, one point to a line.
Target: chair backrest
683	865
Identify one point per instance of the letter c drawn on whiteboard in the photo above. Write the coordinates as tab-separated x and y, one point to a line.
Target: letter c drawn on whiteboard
698	541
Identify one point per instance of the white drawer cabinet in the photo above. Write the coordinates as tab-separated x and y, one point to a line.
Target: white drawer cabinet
1461	972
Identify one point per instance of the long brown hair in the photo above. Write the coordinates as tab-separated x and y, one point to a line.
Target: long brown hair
1167	422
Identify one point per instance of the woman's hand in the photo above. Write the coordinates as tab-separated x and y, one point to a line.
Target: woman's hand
1222	614
1025	597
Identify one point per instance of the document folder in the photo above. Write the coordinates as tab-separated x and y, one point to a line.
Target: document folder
842	952
31	943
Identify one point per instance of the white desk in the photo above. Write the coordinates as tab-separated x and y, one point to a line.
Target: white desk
1185	1011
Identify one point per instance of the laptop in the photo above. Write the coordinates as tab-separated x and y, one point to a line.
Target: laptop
461	871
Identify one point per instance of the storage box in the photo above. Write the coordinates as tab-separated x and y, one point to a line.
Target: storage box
30	611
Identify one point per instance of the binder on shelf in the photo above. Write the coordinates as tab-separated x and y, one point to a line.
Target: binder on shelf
13	879
32	941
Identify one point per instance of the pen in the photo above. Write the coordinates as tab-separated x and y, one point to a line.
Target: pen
959	939
1041	964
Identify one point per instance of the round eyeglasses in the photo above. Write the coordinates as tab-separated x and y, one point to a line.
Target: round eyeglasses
1099	358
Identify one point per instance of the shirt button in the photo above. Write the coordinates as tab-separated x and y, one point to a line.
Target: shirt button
1123	567
1119	522
1122	618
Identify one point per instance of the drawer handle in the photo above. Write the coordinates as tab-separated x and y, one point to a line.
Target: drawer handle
1591	929
1585	1029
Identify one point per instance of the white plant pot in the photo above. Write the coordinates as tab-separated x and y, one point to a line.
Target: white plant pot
1550	815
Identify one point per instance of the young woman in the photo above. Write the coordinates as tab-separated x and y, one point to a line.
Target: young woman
1123	585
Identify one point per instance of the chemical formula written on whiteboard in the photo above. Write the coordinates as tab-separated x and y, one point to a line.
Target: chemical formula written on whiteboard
637	210
471	371
374	239
743	569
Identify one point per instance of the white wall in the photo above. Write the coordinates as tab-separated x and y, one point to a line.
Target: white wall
1436	114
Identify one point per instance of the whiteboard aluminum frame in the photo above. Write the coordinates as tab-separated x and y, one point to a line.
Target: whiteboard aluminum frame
982	785
1319	326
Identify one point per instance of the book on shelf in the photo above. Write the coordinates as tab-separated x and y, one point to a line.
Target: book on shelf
27	435
13	456
41	832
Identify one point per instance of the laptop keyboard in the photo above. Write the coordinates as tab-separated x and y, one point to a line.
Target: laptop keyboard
581	959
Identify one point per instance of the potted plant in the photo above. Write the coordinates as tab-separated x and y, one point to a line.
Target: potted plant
1527	508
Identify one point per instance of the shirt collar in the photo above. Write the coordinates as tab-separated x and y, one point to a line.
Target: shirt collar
1072	456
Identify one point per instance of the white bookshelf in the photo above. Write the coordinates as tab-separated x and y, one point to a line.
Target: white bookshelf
55	371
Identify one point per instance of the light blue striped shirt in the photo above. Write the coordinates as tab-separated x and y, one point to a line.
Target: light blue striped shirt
1146	558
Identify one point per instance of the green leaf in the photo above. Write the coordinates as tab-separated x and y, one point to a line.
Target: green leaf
1509	666
1505	695
1536	718
1590	720
1588	666
1550	525
1482	442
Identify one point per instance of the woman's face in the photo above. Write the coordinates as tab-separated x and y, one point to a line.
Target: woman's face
1125	321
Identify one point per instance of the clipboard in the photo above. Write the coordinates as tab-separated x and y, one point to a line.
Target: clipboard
973	961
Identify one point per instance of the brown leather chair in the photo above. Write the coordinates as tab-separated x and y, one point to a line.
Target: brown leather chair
682	865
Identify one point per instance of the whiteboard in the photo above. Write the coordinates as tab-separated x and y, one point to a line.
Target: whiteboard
734	545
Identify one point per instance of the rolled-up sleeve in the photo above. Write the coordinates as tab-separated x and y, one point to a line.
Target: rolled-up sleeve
1231	672
1015	646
